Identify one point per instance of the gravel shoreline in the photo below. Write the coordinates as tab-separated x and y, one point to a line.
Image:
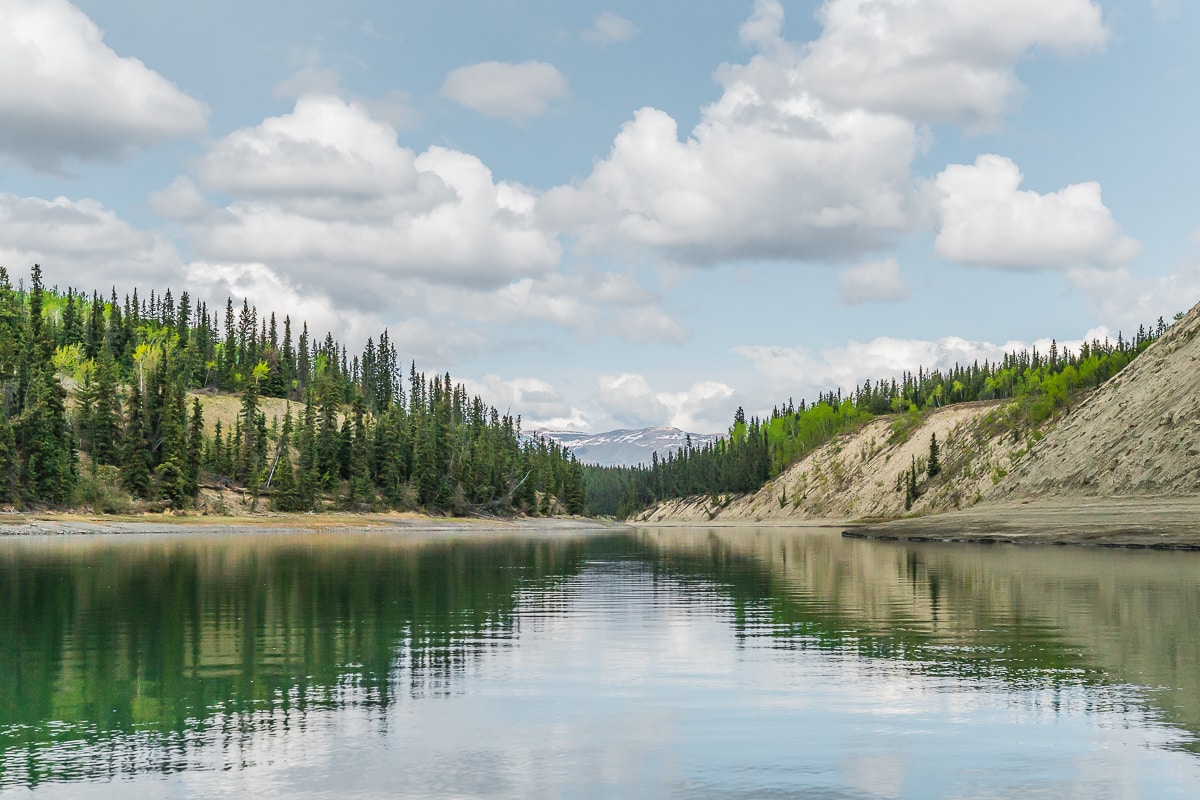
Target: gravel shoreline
69	524
1160	523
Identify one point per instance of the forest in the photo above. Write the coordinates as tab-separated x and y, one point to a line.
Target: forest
102	407
1038	385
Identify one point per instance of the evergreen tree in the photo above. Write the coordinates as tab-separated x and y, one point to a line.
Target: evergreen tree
10	465
934	466
195	450
135	449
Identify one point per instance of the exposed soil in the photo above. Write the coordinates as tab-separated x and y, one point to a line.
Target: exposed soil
1120	469
860	475
1164	523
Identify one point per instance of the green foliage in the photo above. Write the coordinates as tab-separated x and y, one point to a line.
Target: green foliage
1040	387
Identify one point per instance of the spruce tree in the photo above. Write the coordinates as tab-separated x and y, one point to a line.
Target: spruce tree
284	496
10	465
935	466
135	449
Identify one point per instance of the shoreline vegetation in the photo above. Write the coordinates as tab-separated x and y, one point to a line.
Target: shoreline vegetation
140	415
149	404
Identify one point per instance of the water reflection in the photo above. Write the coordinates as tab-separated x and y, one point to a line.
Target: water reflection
120	656
689	661
1025	615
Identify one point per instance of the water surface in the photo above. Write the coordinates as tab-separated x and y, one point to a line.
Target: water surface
661	662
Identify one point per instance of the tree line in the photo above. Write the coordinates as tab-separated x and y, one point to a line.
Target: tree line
1040	386
362	435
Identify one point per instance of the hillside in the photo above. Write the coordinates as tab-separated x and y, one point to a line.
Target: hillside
861	475
1136	436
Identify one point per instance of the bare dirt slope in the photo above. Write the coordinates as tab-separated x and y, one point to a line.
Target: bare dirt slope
860	475
1135	438
1137	435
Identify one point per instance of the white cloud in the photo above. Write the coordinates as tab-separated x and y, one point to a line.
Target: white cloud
628	400
83	244
609	28
872	282
801	159
802	373
987	220
65	94
539	404
588	303
499	89
756	179
181	200
1123	301
939	60
432	343
327	196
325	148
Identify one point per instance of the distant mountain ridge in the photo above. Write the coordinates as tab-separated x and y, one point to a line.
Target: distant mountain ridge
626	447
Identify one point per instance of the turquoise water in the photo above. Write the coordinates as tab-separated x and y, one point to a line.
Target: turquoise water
668	662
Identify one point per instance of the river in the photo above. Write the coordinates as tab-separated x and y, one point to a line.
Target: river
686	662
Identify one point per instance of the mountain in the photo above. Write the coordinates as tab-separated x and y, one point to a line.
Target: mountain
625	447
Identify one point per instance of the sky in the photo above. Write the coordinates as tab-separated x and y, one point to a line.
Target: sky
618	214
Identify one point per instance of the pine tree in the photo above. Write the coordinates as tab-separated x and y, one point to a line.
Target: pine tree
45	437
195	450
135	449
284	496
361	489
10	465
935	466
105	414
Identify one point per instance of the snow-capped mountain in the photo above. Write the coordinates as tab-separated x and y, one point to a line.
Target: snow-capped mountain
626	447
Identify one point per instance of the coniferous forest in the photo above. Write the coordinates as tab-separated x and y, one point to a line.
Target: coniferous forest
1039	386
357	433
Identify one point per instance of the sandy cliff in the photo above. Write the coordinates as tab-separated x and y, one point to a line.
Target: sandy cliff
1137	436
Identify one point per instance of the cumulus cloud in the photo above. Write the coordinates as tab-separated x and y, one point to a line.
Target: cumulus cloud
801	158
326	195
628	400
325	148
83	244
499	89
987	220
1123	300
435	342
609	28
940	60
872	282
539	403
587	303
181	200
801	372
67	95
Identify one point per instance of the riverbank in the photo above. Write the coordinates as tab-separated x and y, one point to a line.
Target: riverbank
45	524
1160	523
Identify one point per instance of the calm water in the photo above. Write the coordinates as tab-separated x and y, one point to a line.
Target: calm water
677	662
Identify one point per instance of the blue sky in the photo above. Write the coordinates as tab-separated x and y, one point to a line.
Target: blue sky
617	214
